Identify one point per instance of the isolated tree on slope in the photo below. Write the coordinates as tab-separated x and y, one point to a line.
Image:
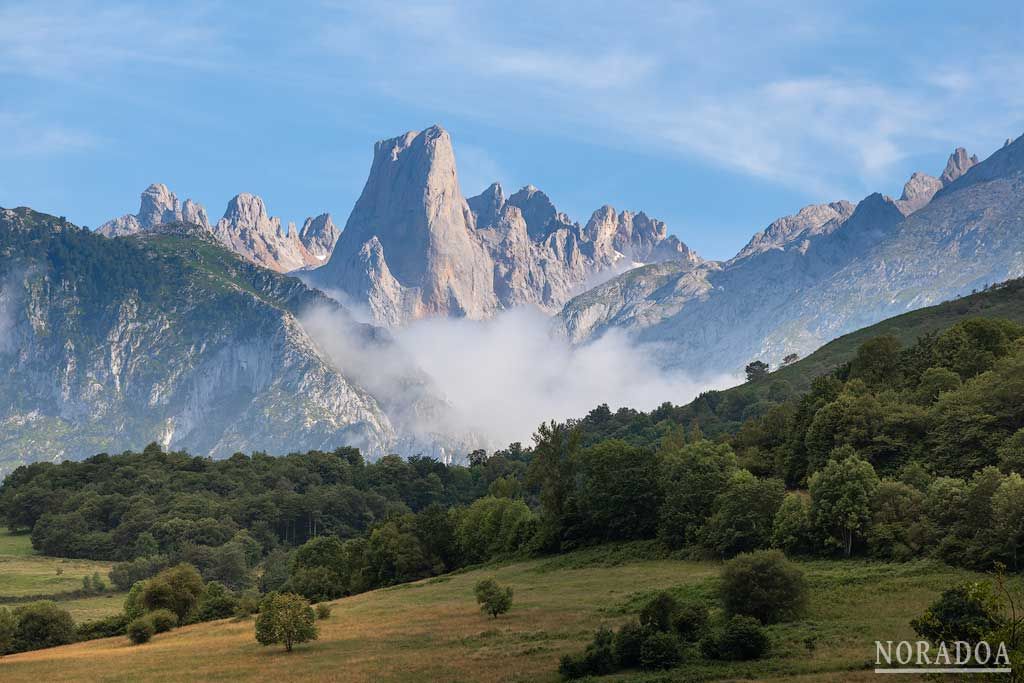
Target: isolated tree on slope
493	599
285	618
756	370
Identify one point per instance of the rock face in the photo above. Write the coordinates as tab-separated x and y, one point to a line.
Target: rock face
414	247
159	205
248	230
825	272
958	164
917	192
178	340
245	228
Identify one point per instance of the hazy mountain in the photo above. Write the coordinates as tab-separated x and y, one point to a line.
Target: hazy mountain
809	278
167	336
414	247
245	228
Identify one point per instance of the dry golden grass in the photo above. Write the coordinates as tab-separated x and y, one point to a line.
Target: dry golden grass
432	630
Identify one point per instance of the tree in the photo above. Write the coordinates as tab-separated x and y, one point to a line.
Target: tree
791	530
896	531
659	613
216	602
285	618
690	480
790	359
744	514
841	496
756	370
42	624
1011	453
764	585
659	650
1008	517
492	598
177	589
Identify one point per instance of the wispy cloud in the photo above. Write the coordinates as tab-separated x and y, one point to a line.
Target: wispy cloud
802	104
25	136
67	40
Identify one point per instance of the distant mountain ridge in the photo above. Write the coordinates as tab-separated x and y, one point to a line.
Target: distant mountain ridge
826	271
415	247
246	228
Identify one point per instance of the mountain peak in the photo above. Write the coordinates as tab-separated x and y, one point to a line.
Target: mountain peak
958	164
319	235
487	205
917	192
157	205
538	210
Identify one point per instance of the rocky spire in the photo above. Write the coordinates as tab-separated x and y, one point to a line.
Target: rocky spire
958	164
537	209
319	235
412	205
249	230
487	205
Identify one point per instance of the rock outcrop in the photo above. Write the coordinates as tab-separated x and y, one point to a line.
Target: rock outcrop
245	228
158	205
414	247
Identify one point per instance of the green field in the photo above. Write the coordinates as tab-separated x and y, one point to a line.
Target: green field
24	575
432	631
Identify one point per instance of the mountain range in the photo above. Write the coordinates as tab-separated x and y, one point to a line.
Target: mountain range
164	326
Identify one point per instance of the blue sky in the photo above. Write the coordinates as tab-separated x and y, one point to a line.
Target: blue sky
715	116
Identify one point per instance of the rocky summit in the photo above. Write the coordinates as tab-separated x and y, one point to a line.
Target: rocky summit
415	247
825	271
246	228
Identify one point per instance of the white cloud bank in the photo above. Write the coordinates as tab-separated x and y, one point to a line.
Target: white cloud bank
507	375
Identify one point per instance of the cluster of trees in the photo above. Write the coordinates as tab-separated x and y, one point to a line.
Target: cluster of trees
756	589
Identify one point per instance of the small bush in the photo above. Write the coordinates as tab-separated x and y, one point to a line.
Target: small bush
628	640
141	630
660	650
764	585
107	627
659	612
163	620
690	621
323	611
248	604
740	639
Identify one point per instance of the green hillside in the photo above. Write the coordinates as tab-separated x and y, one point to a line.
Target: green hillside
431	630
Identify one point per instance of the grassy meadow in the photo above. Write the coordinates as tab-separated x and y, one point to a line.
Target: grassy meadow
431	630
25	574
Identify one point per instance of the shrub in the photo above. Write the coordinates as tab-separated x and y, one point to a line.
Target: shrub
323	611
493	599
106	627
690	621
628	640
216	602
133	606
741	638
8	629
248	603
163	620
968	612
659	612
285	618
597	660
42	624
764	585
177	589
141	630
660	650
